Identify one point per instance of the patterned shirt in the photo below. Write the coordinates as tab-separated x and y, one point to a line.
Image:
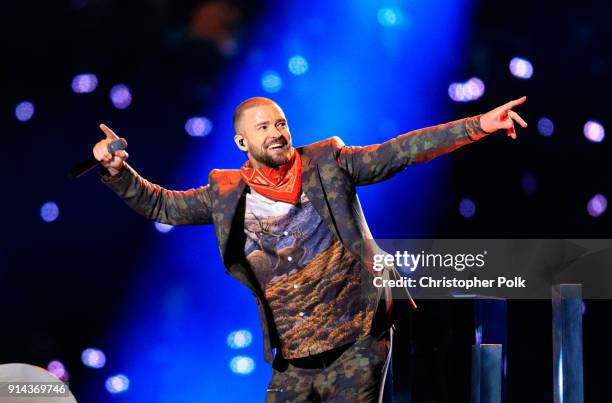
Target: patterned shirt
310	281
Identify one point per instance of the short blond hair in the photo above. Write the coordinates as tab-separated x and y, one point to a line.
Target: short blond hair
247	104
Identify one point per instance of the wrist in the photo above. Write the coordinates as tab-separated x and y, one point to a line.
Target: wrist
473	127
116	171
110	173
113	171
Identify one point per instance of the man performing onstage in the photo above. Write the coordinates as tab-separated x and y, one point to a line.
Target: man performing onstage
290	228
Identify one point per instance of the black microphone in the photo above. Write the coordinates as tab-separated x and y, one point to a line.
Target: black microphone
81	169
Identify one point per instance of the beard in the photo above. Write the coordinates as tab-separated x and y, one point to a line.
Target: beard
272	158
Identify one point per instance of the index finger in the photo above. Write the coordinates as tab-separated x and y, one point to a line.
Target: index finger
514	103
109	133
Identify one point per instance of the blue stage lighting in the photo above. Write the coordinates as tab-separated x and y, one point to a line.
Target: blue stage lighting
117	384
467	208
271	81
49	212
93	358
521	68
24	111
121	96
594	131
390	17
163	228
470	90
597	205
239	339
242	365
57	369
84	83
298	65
198	126
546	127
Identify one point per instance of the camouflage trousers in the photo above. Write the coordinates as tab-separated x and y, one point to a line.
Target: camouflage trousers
357	374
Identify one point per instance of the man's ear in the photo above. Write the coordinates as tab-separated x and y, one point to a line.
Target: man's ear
240	142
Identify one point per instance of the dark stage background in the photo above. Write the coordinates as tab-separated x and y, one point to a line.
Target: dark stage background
85	271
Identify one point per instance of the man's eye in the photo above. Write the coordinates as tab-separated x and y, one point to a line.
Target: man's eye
282	124
264	127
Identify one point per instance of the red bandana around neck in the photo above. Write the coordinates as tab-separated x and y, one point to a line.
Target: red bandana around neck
283	183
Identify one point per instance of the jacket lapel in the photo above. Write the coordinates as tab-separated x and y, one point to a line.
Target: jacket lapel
313	187
230	188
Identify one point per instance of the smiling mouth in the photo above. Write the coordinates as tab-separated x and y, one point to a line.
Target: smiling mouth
277	146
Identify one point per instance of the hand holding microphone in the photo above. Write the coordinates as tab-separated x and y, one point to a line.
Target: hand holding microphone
110	152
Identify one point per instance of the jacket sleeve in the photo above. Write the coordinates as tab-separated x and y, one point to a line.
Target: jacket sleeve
193	206
377	162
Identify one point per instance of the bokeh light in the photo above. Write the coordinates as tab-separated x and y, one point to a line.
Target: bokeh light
474	88
467	208
390	17
529	183
49	212
594	131
93	358
298	65
521	68
546	127
271	81
239	339
58	370
470	90
242	365
24	111
597	205
117	384
84	83
163	228
198	126
121	96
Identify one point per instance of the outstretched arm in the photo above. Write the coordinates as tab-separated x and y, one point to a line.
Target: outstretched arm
193	206
374	163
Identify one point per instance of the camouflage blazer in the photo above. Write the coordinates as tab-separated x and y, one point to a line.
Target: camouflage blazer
331	171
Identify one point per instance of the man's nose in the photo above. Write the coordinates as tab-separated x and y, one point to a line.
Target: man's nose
277	136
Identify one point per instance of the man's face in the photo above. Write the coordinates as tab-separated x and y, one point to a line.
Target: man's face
266	135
